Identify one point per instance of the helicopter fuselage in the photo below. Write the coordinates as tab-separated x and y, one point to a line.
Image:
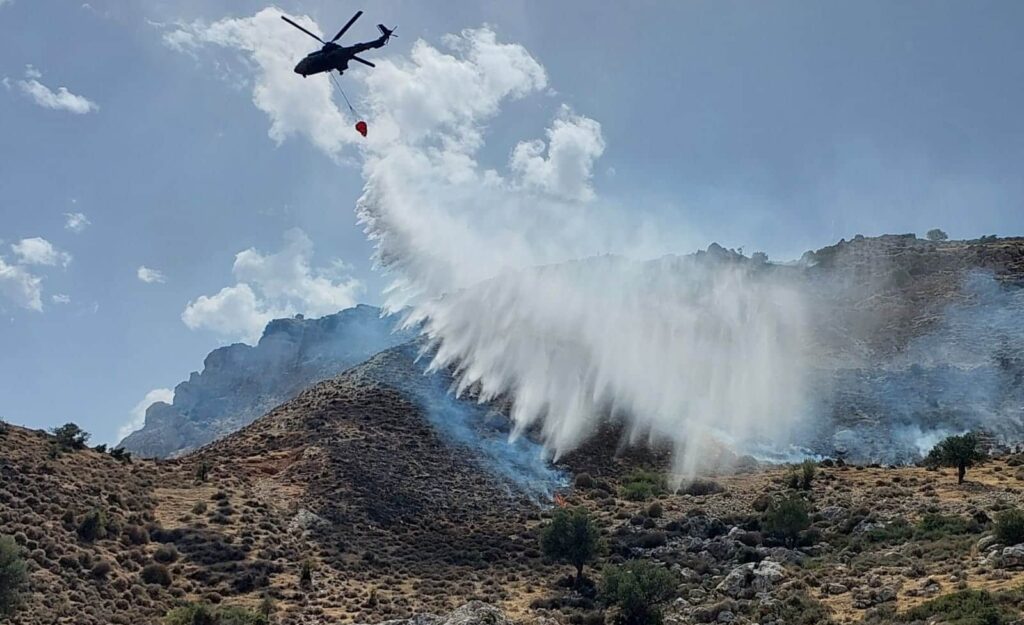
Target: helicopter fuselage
334	57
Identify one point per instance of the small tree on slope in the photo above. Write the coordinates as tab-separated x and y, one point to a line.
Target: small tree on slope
572	537
961	452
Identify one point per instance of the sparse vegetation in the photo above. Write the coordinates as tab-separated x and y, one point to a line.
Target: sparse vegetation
204	614
637	590
12	574
306	574
967	607
202	471
961	452
572	537
936	234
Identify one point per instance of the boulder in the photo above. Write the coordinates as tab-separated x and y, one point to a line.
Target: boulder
752	578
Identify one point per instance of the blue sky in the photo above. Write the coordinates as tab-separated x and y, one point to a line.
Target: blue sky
769	126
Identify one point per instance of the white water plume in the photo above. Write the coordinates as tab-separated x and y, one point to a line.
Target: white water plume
502	271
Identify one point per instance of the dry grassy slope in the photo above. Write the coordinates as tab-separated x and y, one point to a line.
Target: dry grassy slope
348	476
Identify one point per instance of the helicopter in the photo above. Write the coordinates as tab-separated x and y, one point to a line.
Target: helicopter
334	57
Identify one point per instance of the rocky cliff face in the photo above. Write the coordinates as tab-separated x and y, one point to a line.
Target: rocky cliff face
242	382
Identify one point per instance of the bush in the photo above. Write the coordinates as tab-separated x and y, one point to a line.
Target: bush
69	436
203	614
698	488
572	537
584	481
936	235
100	570
93	526
785	519
1009	527
202	471
637	589
136	535
967	607
641	485
808	469
166	554
306	574
961	452
156	574
12	574
655	510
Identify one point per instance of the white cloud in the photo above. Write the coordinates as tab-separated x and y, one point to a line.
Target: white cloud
6	2
60	100
138	414
21	286
271	286
76	222
295	106
39	251
574	143
60	298
150	275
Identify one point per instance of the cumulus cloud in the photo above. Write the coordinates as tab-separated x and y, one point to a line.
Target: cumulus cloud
60	100
76	222
574	143
271	286
21	286
138	413
39	251
295	106
150	275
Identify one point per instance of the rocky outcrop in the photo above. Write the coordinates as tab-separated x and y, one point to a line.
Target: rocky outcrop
242	382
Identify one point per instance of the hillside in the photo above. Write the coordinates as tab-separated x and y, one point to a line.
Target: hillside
240	382
350	480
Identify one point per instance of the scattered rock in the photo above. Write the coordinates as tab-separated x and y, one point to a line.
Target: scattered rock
752	578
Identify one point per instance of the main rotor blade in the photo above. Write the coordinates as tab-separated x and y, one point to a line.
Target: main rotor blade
302	29
346	26
363	61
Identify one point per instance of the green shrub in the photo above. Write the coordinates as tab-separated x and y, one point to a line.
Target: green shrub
306	574
165	554
156	574
203	614
93	526
786	518
202	471
967	607
642	485
572	537
700	487
584	481
12	574
1009	526
808	469
637	590
100	570
655	511
938	525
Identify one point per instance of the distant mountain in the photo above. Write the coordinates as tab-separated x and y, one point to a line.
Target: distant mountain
242	382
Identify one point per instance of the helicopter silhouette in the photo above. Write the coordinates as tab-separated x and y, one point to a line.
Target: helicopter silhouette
334	57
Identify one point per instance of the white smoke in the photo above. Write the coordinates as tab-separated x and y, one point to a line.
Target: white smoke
509	270
500	269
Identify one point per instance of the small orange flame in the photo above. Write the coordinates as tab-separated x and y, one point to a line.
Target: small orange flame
560	500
